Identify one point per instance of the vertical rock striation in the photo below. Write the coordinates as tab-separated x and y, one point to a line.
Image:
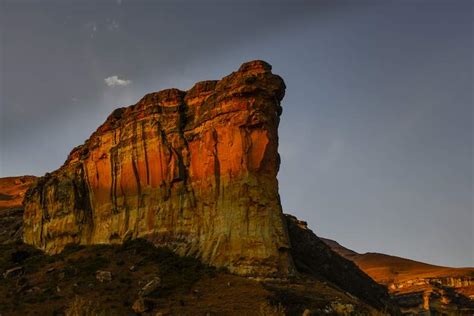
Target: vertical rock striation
194	171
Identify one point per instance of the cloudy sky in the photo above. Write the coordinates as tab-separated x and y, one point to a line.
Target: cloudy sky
376	136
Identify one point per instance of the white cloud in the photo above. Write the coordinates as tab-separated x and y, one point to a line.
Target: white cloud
113	25
115	81
92	28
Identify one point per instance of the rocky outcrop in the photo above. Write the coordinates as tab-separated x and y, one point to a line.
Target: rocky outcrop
433	301
192	170
442	294
313	257
69	284
12	191
417	287
452	282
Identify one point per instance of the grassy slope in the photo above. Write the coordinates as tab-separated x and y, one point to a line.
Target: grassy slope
54	285
387	269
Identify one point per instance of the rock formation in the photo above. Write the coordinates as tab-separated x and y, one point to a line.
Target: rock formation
417	287
192	170
313	257
12	191
325	282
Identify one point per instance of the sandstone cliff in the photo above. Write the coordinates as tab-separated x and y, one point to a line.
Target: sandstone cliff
47	284
192	170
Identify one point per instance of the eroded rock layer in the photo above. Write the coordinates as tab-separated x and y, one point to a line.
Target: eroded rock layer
12	191
417	287
195	171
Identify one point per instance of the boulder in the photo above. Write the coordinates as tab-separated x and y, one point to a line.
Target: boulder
150	286
103	276
13	272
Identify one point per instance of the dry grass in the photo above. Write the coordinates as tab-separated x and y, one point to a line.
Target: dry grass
65	284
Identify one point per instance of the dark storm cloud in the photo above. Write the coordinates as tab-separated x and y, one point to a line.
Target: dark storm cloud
376	134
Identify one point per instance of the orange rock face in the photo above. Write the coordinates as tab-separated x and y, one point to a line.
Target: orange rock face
12	191
417	287
194	171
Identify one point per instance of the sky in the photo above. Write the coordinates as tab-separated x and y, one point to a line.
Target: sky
376	136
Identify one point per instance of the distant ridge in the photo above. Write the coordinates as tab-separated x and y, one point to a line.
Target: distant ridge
416	286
